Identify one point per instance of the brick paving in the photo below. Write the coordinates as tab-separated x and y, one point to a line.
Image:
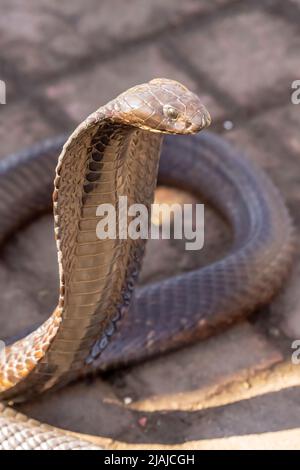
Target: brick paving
59	62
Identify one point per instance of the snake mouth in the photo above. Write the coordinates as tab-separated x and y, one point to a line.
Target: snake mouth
200	121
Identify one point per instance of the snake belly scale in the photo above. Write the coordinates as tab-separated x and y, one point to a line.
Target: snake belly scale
115	152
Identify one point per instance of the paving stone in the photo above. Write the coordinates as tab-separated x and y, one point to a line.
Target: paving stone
180	380
295	2
81	95
99	413
21	126
108	22
43	37
271	140
35	39
272	412
250	55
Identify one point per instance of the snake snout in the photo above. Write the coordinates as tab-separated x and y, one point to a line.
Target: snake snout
200	120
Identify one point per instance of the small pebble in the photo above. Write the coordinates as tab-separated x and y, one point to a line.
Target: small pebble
228	125
127	400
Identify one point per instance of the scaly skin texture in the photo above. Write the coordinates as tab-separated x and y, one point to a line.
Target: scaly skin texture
115	152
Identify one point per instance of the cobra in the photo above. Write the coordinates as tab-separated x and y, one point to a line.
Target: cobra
115	152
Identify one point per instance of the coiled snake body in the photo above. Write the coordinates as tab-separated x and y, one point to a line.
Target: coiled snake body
115	152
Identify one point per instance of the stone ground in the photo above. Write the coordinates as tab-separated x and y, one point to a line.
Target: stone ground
60	61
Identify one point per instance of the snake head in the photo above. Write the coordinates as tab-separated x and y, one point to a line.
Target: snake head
161	105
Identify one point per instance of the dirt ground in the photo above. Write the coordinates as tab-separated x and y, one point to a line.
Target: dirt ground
237	390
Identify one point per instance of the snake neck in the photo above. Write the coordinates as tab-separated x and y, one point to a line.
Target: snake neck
100	162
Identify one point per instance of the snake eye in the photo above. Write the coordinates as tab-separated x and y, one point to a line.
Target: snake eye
170	112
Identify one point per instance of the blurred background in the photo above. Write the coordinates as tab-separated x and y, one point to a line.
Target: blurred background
60	61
